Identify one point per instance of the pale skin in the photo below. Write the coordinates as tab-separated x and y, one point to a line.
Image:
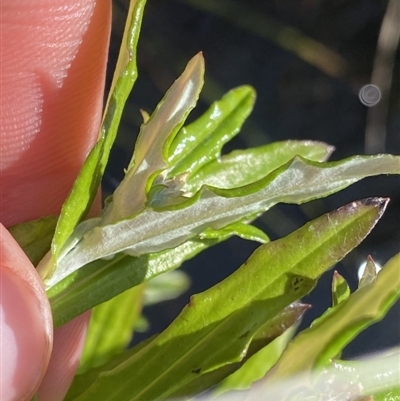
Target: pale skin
52	66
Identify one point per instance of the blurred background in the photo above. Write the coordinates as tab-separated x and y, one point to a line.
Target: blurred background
307	60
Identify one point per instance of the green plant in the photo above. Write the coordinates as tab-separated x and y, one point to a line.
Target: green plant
180	196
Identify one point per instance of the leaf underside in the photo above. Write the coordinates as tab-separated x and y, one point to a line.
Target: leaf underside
211	332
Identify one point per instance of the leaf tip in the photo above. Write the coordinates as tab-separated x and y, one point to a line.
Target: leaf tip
368	272
198	59
329	150
380	203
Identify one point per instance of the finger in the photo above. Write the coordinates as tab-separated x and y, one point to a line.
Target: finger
53	67
53	71
56	383
25	323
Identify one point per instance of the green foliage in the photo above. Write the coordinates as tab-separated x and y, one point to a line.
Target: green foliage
111	326
257	364
201	142
35	237
103	279
243	167
328	335
179	196
217	326
86	185
269	341
340	289
152	146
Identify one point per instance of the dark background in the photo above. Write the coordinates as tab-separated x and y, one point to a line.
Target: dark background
307	59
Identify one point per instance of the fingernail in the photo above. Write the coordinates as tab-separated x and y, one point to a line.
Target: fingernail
25	331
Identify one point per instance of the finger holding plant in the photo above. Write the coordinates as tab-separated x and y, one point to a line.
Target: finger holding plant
53	70
179	196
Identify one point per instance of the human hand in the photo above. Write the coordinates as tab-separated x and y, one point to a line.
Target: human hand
53	59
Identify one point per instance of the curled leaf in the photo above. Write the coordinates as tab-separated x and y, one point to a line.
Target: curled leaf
156	230
152	146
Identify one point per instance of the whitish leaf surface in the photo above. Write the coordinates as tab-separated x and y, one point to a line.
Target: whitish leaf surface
243	167
377	374
155	230
380	381
217	326
103	279
86	185
329	334
156	134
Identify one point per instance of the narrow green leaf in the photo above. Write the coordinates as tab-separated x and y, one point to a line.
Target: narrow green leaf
111	327
276	326
340	293
35	236
101	280
330	333
340	289
257	366
298	181
243	167
151	150
281	323
217	326
86	185
202	141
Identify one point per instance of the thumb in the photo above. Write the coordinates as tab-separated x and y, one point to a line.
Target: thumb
26	327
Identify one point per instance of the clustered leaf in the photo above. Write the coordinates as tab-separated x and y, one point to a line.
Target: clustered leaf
87	183
151	150
211	332
180	195
153	230
104	279
329	334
